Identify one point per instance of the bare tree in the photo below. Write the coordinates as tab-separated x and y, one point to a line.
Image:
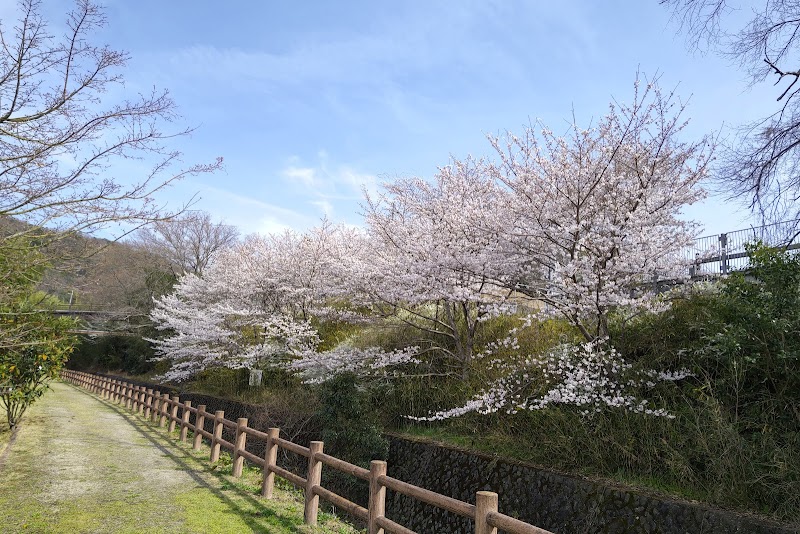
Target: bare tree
187	242
763	162
66	132
63	138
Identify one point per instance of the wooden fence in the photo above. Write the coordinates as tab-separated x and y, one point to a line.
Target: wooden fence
170	412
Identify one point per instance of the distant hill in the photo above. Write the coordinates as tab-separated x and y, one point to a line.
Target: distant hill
97	273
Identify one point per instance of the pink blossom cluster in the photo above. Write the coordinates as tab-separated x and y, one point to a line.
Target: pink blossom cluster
370	363
590	376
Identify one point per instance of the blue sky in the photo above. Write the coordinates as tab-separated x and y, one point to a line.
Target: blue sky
308	102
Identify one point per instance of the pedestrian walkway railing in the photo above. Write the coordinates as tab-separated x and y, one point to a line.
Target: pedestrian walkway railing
724	253
169	411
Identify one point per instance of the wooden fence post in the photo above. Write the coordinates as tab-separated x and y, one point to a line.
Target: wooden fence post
219	415
162	420
137	399
156	401
148	402
128	395
485	502
238	446
270	461
314	478
185	419
199	424
173	414
142	398
377	496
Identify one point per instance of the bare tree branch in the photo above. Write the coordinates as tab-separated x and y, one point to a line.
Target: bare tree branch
62	139
761	164
188	242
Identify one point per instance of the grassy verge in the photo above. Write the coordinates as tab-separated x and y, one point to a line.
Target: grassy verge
83	465
5	438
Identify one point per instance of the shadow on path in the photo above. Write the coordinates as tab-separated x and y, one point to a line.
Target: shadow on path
199	471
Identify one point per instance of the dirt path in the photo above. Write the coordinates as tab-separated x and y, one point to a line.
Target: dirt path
79	464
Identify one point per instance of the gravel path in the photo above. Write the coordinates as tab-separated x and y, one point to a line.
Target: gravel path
80	464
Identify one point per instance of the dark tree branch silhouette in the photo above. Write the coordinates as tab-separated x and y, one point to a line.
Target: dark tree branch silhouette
187	242
762	163
63	137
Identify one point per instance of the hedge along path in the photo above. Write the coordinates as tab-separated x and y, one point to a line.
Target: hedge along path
80	464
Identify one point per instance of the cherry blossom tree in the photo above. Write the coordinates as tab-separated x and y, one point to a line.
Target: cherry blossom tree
589	376
239	313
430	257
591	217
594	215
254	304
580	224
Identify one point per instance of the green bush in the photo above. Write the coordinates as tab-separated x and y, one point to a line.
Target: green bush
348	415
739	415
349	419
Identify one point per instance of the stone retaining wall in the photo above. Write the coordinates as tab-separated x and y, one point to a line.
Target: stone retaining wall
560	503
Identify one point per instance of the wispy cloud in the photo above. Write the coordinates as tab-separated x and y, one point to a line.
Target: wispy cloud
408	41
326	184
252	215
304	176
325	206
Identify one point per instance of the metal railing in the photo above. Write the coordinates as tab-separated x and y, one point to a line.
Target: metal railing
723	253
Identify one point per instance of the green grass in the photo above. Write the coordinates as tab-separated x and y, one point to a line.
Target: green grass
5	437
84	465
513	448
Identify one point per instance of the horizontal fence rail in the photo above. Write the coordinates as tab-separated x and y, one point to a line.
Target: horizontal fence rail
168	411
